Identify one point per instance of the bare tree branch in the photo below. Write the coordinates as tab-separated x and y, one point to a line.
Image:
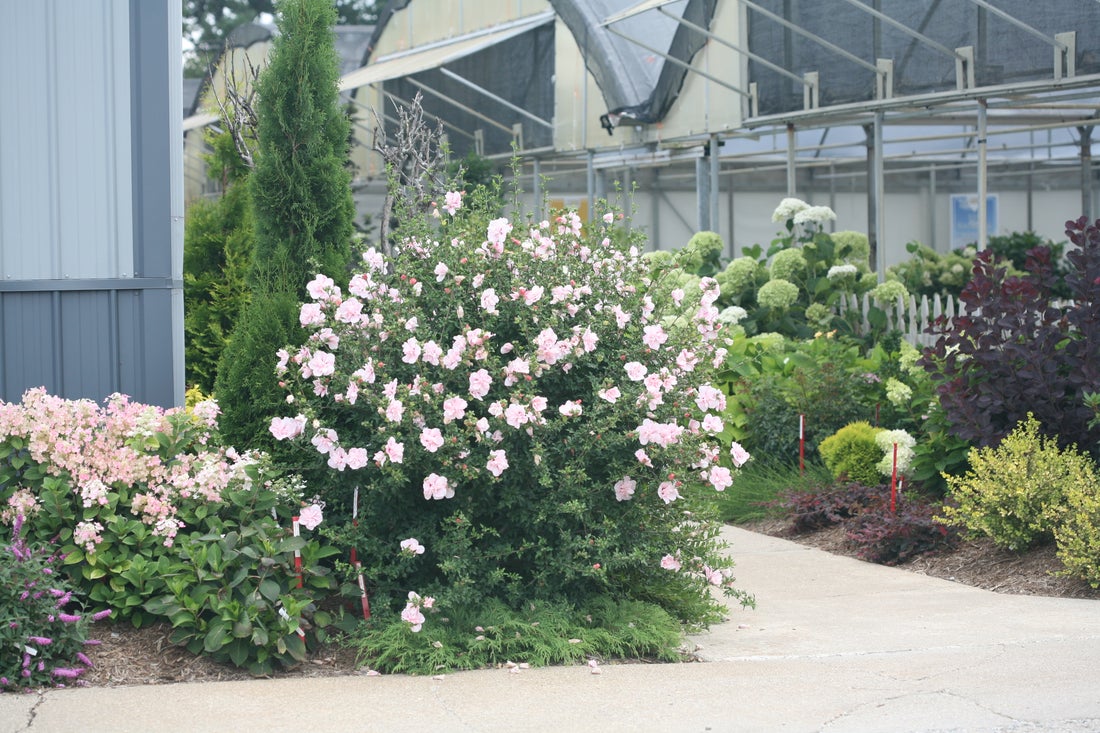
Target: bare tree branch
238	108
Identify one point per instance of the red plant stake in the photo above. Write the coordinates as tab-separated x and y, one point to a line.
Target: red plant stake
801	444
297	552
894	482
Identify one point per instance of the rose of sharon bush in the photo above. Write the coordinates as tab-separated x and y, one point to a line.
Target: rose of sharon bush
538	411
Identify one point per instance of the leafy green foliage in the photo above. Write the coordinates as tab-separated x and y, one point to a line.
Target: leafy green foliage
230	588
756	490
217	251
539	634
852	453
44	631
1078	535
1014	351
1017	492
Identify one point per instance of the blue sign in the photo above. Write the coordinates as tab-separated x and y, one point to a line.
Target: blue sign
964	218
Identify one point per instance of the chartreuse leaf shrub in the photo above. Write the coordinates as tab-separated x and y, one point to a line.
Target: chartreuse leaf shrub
156	522
44	629
1017	493
1078	535
853	453
527	408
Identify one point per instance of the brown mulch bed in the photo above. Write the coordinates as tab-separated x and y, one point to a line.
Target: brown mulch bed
144	656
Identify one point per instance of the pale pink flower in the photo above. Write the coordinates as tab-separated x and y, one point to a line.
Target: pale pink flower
322	364
686	360
654	336
643	457
452	202
489	300
669	562
498	230
374	260
532	295
480	382
608	217
712	424
324	440
611	394
589	340
621	317
357	458
349	311
411	350
662	434
571	408
395	410
432	353
539	403
431	439
498	462
337	458
395	451
714	577
311	315
635	371
516	415
677	296
412	546
437	487
710	398
738	454
310	516
322	287
668	492
413	617
624	488
720	477
412	324
440	271
453	409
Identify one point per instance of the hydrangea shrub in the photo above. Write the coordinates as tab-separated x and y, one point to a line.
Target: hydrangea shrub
527	413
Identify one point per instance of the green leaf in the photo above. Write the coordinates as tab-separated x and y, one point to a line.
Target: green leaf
269	589
216	635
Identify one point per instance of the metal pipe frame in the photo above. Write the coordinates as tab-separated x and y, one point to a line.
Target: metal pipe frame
907	30
812	36
468	110
684	64
1021	24
498	99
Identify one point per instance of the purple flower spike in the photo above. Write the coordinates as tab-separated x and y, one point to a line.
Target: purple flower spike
83	659
68	618
40	640
100	615
70	673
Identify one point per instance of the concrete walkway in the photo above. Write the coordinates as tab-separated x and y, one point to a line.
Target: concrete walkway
834	645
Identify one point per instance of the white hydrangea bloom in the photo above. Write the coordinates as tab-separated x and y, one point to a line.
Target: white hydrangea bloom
815	215
788	208
886	439
839	272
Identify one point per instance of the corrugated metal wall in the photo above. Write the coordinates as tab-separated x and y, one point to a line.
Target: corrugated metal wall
90	211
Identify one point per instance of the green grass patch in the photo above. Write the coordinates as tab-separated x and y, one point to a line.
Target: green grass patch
760	483
539	635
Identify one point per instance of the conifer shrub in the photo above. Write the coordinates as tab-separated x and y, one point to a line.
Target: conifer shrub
852	452
1017	493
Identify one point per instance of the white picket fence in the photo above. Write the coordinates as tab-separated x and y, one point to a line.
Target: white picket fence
910	316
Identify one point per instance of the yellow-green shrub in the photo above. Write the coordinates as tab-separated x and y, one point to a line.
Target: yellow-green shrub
1017	493
852	452
1078	535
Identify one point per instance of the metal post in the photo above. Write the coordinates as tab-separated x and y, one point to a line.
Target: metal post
702	195
880	199
1086	171
715	185
792	170
932	205
591	183
983	223
536	189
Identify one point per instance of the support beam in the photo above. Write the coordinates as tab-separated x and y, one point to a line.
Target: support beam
1086	171
702	195
792	169
498	99
590	183
876	187
983	181
715	184
904	29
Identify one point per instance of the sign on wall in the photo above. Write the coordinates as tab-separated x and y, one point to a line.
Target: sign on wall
964	218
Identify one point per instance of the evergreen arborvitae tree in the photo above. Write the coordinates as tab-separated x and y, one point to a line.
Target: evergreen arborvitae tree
217	253
301	199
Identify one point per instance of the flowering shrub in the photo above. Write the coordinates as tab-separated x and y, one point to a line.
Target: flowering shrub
43	634
156	522
526	401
